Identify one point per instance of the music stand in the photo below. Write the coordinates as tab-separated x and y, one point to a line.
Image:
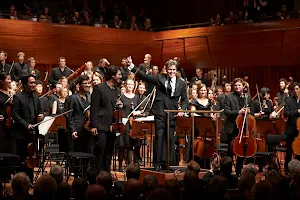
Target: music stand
266	127
184	128
59	122
140	129
206	128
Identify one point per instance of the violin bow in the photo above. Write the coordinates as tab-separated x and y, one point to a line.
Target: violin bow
11	67
52	117
152	92
258	98
46	75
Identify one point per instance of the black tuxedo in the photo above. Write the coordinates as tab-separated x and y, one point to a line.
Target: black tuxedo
37	73
164	101
18	69
56	74
291	111
77	120
232	105
25	110
102	112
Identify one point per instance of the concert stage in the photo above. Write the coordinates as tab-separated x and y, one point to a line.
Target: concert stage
163	175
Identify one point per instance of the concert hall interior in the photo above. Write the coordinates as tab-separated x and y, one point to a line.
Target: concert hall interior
149	99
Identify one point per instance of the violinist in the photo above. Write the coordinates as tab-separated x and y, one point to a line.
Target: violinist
199	78
26	111
88	70
54	97
130	101
124	69
105	98
215	104
44	100
31	69
292	111
234	105
284	92
227	91
78	102
4	67
7	144
264	110
65	84
13	86
60	71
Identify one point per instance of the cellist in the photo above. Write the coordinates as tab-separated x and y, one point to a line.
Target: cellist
292	111
234	105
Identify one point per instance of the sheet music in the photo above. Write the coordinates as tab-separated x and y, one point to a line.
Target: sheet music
145	119
44	127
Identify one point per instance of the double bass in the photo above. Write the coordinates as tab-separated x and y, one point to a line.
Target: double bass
244	145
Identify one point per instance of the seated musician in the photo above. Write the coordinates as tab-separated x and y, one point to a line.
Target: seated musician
262	108
292	111
65	84
88	70
215	104
54	97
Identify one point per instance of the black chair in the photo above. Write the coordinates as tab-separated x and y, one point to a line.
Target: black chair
280	147
74	160
9	164
272	141
222	149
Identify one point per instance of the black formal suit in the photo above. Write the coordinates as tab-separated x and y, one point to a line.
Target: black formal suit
291	112
282	97
233	103
77	120
18	69
124	72
37	73
164	101
56	74
181	70
142	67
5	68
25	110
103	103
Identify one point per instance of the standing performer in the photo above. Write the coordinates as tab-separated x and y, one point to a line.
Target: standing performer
104	100
234	106
26	111
168	91
7	144
292	110
284	92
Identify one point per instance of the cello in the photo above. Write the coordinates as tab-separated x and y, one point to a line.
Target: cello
244	145
296	142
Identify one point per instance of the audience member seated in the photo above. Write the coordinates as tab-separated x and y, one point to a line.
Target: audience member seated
57	173
246	182
45	188
95	192
79	187
214	170
192	185
92	176
217	188
262	191
174	187
105	180
160	194
63	191
132	189
20	187
251	168
226	170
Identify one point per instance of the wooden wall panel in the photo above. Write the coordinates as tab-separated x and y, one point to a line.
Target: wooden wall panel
172	48
196	51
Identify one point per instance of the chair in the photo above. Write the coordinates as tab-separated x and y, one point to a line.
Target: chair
73	160
280	147
9	163
272	141
222	149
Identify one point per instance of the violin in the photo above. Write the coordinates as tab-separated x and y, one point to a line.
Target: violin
244	145
88	120
32	161
296	143
117	125
9	120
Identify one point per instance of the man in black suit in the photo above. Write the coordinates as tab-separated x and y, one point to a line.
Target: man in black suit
284	92
291	110
199	78
60	71
124	69
78	103
180	69
26	111
234	105
31	69
19	67
4	67
102	67
146	66
105	98
168	91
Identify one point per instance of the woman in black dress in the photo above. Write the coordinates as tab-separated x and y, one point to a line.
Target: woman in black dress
125	142
7	144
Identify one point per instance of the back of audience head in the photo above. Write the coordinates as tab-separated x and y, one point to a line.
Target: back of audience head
150	179
133	171
20	183
294	167
63	191
173	186
191	180
246	182
226	165
251	168
96	192
192	165
79	187
262	191
160	194
217	187
45	188
57	173
105	180
132	189
91	176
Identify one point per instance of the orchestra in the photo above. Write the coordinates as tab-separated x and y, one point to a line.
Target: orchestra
106	99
